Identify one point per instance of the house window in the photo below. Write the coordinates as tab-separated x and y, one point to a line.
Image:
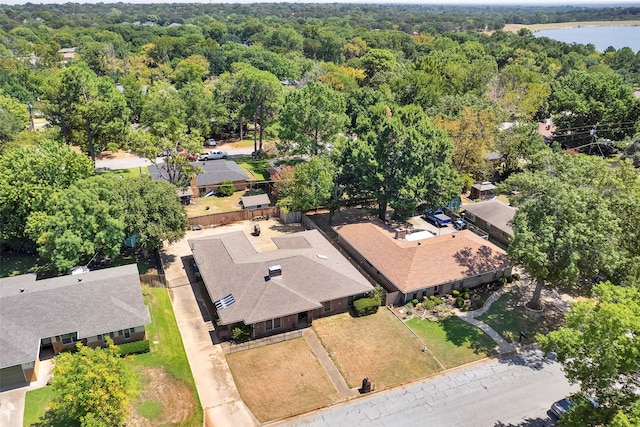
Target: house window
327	306
127	334
273	324
414	296
69	338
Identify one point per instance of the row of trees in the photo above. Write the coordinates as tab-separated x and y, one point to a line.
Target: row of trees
402	119
51	198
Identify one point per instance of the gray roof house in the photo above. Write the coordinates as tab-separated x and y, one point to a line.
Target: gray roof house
53	314
492	216
213	173
278	290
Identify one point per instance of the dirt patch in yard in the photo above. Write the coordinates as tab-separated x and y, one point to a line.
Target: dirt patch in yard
175	398
280	380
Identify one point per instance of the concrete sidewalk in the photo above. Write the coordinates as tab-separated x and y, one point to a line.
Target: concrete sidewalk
334	375
504	347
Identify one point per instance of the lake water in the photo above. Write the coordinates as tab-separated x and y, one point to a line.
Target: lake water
600	37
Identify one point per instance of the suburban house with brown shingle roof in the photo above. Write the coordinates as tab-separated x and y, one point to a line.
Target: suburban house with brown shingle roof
279	290
51	315
429	266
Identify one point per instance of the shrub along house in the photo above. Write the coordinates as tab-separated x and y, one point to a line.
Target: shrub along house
275	291
50	315
428	266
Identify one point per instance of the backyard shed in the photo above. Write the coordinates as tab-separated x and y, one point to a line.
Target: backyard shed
256	202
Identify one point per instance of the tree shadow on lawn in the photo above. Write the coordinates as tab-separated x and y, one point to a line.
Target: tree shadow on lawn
508	316
461	333
54	418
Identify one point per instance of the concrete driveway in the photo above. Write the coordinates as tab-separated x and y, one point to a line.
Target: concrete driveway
12	407
12	401
218	394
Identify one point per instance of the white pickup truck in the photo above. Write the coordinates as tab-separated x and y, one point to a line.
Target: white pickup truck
213	155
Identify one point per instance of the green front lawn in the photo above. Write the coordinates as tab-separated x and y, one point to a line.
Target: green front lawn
453	341
508	316
257	170
164	368
36	405
128	173
169	350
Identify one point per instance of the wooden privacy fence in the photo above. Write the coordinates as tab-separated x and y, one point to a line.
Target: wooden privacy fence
225	218
154	280
274	339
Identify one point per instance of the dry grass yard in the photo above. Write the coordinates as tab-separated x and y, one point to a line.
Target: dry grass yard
215	204
280	380
379	347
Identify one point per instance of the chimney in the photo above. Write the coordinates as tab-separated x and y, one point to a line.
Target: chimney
275	271
401	233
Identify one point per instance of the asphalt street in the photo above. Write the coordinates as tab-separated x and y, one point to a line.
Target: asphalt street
135	162
517	390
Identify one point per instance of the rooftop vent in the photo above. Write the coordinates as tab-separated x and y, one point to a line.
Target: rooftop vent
275	270
21	290
401	233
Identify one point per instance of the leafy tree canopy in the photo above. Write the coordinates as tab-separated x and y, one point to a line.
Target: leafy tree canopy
399	159
93	387
566	229
311	118
29	177
599	350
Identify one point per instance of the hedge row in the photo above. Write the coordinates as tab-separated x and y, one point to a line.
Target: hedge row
136	347
366	306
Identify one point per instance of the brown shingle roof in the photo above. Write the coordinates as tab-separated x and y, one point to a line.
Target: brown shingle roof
313	272
413	265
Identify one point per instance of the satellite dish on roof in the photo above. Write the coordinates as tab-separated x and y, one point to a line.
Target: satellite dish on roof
78	269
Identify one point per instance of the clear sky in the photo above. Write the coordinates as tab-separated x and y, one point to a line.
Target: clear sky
602	3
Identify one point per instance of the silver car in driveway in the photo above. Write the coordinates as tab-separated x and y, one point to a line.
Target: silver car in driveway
562	406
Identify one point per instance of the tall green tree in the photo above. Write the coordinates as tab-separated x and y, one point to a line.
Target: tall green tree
13	118
93	387
311	118
310	186
89	110
581	100
166	117
565	230
399	159
152	211
259	94
599	349
76	223
517	146
29	177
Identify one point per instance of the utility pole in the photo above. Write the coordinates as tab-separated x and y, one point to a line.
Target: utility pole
32	125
